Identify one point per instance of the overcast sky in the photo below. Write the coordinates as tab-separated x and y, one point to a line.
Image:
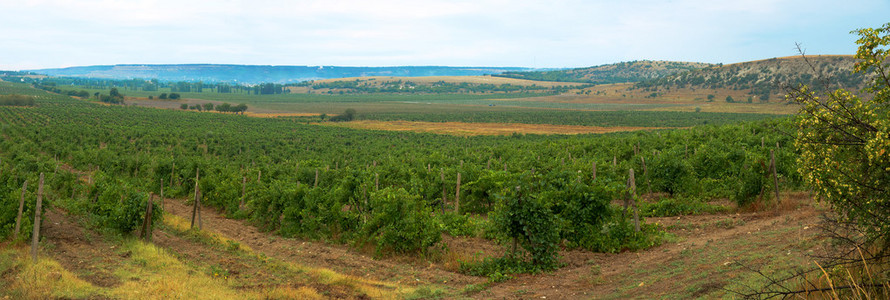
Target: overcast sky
63	33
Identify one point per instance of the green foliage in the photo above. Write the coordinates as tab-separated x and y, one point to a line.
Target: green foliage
457	224
673	174
844	140
678	206
531	224
400	223
16	100
118	206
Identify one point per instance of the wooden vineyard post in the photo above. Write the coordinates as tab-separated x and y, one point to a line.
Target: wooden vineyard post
772	166
316	178
505	167
195	207
633	196
443	189
593	166
35	235
646	173
243	192
259	175
146	222
762	144
18	218
200	223
457	196
614	160
376	181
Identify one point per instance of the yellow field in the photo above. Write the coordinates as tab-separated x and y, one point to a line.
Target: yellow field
473	129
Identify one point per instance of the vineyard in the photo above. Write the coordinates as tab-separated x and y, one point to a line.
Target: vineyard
391	194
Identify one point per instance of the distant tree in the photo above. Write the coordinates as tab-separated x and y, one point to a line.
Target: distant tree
150	97
225	107
115	94
208	106
163	96
710	98
184	106
323	116
240	108
347	116
750	99
174	96
729	99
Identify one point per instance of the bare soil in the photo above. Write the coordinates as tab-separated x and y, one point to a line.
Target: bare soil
701	259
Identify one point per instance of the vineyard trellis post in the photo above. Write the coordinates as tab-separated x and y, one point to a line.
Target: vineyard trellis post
593	166
457	195
18	218
243	192
146	222
195	206
772	166
316	178
35	235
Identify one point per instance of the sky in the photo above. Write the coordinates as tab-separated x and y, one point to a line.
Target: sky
499	33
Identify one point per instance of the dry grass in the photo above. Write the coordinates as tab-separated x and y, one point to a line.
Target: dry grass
473	129
846	282
374	289
43	280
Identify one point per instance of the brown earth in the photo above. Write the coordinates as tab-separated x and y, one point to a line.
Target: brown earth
709	245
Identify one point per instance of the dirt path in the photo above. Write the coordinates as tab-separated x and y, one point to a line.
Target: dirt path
706	240
322	255
79	250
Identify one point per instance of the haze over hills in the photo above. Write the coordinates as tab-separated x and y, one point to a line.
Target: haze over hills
253	74
633	71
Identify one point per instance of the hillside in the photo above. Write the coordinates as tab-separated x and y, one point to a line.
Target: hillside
622	72
762	78
253	74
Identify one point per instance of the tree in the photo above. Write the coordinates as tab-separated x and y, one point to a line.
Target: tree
240	108
174	96
710	98
163	96
729	99
184	106
225	107
844	141
208	106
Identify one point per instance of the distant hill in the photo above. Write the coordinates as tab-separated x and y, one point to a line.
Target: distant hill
763	77
252	74
622	72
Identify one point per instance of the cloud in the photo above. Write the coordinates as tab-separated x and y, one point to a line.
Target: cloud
572	33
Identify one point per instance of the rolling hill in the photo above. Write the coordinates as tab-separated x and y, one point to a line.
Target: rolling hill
622	72
765	77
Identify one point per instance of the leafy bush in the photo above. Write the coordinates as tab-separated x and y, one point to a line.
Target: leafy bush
400	222
530	224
